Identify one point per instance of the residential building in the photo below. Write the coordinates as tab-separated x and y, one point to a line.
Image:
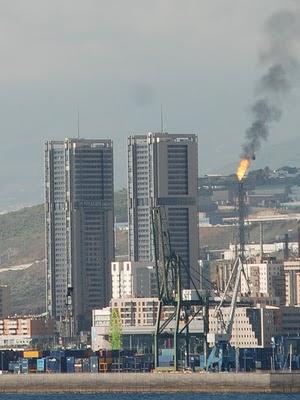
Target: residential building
136	311
265	279
79	228
133	279
292	282
19	332
162	171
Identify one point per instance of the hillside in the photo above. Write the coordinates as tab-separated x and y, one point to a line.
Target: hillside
22	232
22	241
28	288
22	236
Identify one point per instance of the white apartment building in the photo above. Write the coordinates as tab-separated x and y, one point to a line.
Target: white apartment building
100	328
132	279
266	279
136	311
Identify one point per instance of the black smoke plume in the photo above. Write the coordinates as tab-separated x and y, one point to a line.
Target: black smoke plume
282	31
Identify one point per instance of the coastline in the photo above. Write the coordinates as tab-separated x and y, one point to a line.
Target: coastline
152	382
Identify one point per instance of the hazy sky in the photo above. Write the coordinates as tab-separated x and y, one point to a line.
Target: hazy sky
117	61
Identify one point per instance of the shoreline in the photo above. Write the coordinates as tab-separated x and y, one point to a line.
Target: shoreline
152	383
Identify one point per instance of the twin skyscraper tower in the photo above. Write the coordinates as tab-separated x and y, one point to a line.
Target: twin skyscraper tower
79	209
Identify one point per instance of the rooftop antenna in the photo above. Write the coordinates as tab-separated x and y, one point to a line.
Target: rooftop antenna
161	119
78	136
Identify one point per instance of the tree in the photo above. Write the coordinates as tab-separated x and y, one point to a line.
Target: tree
115	330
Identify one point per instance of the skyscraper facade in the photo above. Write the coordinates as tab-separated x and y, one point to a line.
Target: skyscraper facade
163	171
79	227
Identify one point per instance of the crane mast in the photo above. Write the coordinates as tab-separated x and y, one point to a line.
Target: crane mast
221	353
174	324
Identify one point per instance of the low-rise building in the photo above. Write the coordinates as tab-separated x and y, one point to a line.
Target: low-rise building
21	331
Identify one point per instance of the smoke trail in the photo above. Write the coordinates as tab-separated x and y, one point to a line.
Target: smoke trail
282	31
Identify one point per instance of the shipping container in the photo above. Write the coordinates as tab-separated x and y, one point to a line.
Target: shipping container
70	364
32	354
85	365
78	365
57	353
14	366
94	364
103	367
24	366
40	365
53	365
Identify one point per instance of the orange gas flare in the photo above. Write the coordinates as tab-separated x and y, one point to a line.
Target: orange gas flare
242	168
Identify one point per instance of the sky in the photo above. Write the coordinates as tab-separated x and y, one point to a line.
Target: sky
117	62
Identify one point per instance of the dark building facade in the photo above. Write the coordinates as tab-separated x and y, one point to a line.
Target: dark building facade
79	228
162	171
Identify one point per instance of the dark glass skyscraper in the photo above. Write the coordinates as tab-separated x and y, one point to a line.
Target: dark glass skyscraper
79	227
162	171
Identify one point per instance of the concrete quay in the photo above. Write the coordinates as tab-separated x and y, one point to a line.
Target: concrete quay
152	382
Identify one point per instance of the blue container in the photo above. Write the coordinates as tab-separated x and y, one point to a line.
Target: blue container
57	353
40	365
85	365
70	361
53	365
24	366
14	366
94	364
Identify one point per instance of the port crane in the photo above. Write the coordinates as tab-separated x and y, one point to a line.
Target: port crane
175	313
222	355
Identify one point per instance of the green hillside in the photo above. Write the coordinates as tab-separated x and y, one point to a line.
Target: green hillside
28	289
22	236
